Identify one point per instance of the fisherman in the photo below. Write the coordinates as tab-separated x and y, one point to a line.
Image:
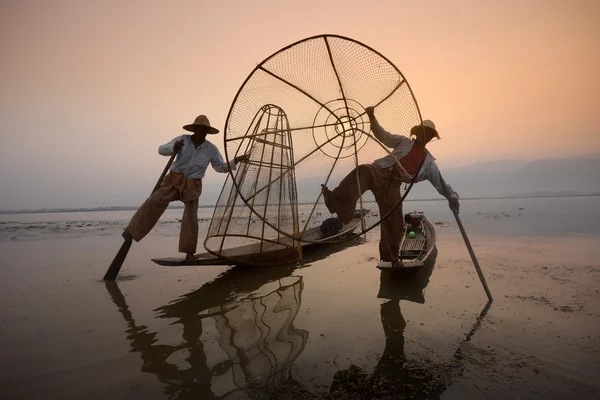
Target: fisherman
384	177
184	183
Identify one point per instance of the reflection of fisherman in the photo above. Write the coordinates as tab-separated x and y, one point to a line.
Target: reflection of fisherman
184	183
256	333
383	177
195	381
394	376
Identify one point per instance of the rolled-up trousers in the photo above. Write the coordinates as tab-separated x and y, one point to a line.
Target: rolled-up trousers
173	187
385	185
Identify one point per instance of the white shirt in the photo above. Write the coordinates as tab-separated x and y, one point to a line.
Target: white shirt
401	146
193	161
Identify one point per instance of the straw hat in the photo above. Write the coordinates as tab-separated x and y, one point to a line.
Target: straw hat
201	120
427	124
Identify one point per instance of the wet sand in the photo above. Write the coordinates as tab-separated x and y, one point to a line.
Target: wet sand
333	327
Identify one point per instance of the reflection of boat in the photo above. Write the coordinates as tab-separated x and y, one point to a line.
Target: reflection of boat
253	310
256	333
395	373
407	284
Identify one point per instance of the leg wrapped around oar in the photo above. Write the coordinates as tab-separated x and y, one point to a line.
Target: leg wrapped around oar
153	208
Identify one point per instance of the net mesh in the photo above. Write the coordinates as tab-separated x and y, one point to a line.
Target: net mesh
262	229
258	332
322	85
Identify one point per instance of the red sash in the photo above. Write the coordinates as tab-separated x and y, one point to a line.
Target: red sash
412	161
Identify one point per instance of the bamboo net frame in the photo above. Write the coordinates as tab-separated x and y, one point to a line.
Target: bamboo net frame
324	83
260	231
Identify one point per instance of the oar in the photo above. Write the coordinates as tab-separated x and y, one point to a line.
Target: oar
458	354
117	263
468	244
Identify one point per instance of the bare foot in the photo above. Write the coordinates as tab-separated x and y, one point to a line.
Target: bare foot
190	256
327	197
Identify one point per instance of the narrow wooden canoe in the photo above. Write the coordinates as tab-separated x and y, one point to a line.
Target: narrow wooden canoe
416	249
269	250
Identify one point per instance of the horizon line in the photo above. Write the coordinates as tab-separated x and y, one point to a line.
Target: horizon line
180	207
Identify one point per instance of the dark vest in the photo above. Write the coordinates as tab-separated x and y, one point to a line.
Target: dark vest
412	161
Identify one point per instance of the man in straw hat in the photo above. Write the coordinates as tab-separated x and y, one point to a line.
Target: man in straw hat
384	177
184	183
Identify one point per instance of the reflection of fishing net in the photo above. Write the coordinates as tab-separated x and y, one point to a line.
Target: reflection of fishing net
258	334
322	84
252	233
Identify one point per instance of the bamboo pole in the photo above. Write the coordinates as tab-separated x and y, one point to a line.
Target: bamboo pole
117	263
468	244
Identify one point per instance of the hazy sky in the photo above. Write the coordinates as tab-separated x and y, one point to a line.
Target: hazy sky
91	88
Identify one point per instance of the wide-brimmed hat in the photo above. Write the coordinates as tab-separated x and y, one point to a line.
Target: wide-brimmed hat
201	120
428	125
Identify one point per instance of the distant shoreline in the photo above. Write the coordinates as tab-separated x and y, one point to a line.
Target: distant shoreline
180	207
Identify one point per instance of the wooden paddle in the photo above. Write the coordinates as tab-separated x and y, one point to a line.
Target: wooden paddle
468	244
117	263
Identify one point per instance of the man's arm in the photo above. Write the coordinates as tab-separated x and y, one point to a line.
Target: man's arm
434	176
220	165
385	137
172	147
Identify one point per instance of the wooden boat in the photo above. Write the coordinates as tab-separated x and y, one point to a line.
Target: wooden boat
265	250
418	240
415	249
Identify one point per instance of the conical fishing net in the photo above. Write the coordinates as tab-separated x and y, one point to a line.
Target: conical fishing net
262	230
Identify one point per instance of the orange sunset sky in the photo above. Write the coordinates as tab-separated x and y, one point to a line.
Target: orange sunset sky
91	88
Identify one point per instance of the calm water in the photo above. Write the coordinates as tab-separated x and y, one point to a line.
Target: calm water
557	216
332	321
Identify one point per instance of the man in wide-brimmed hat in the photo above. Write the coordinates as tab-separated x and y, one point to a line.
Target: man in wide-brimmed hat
384	177
183	183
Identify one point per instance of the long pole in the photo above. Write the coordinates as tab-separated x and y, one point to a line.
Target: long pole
475	262
468	244
117	263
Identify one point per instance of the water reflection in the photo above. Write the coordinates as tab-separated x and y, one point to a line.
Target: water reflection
255	331
395	375
251	313
253	310
258	334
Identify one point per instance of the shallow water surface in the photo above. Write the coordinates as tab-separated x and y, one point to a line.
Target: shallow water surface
331	327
